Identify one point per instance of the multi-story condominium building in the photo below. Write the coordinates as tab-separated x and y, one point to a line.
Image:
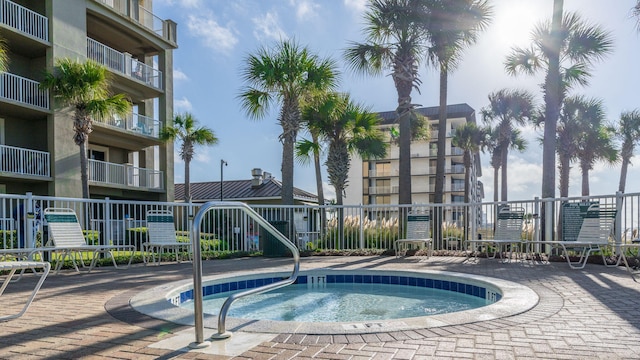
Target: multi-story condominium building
126	158
376	181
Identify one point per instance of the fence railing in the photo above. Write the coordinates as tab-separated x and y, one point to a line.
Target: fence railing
142	16
21	161
135	122
24	20
308	227
23	90
125	175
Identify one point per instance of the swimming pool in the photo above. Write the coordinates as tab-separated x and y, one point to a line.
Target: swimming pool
504	298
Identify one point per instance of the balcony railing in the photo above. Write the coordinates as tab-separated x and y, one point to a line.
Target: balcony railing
23	90
123	63
142	16
24	20
137	123
125	175
373	190
21	161
456	151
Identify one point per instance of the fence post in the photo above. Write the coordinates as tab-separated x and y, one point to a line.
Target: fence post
29	239
618	222
548	219
361	227
107	221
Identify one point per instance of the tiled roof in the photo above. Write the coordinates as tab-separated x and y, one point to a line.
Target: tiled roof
240	190
432	112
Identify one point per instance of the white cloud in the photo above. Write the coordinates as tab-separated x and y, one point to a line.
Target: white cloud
213	35
189	4
329	191
179	75
182	104
268	27
357	6
305	9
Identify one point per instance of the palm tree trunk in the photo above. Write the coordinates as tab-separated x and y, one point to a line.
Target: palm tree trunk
623	174
496	169
319	187
585	179
564	175
404	114
467	200
504	155
442	138
84	167
187	181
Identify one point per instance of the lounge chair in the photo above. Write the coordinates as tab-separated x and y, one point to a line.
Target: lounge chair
11	267
418	226
67	239
507	237
597	227
161	236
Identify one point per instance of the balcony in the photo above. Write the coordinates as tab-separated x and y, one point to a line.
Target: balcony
23	90
124	175
23	20
19	161
124	64
381	173
456	151
143	16
375	190
137	123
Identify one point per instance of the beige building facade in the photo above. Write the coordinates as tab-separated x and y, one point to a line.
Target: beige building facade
127	160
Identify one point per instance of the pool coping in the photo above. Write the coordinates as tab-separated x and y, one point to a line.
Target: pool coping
516	299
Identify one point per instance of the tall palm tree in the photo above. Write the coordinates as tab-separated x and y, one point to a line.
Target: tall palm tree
285	75
595	141
453	25
84	86
396	42
508	108
306	150
568	132
470	138
565	49
629	133
185	128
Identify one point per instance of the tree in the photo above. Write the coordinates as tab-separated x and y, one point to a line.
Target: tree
629	133
286	75
491	145
595	141
185	128
566	49
567	137
470	138
508	108
84	86
395	41
4	56
452	26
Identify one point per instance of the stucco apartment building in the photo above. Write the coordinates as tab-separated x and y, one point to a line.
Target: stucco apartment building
127	159
377	181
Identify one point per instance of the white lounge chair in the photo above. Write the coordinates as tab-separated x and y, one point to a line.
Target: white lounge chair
161	236
11	267
418	227
596	229
67	239
508	234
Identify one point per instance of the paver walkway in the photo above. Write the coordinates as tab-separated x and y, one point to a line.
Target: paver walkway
582	314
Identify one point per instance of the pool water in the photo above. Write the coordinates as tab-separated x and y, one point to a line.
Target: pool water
339	302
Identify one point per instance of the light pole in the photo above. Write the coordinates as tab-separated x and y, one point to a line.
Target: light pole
222	164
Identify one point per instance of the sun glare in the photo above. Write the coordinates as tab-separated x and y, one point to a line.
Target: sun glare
514	20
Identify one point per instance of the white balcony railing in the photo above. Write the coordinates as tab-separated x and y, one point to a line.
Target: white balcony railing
123	63
23	90
125	175
141	15
21	161
24	20
137	123
373	190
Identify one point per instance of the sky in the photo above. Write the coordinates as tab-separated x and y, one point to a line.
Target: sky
216	36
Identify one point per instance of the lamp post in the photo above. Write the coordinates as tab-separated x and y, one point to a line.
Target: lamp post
222	164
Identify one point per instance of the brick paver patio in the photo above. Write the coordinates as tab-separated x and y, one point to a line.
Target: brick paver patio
582	314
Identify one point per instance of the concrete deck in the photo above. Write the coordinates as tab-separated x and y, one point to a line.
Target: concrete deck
582	314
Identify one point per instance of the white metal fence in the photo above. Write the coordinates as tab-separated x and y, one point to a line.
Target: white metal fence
24	161
125	175
309	227
24	20
20	89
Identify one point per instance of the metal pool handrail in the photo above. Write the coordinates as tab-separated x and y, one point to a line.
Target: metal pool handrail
197	270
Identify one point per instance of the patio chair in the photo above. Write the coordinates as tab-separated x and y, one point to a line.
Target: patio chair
597	227
66	238
507	237
161	236
11	267
418	226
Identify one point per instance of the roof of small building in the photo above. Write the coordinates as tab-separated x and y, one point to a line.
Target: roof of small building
453	111
240	190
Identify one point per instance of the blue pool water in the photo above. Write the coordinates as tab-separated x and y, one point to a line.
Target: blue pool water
337	302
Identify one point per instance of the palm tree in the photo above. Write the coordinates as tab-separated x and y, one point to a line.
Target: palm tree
452	26
629	133
491	145
286	75
508	108
567	136
307	149
395	41
4	56
185	128
470	138
566	49
595	141
85	87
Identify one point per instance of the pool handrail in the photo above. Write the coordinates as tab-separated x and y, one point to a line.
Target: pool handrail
197	270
